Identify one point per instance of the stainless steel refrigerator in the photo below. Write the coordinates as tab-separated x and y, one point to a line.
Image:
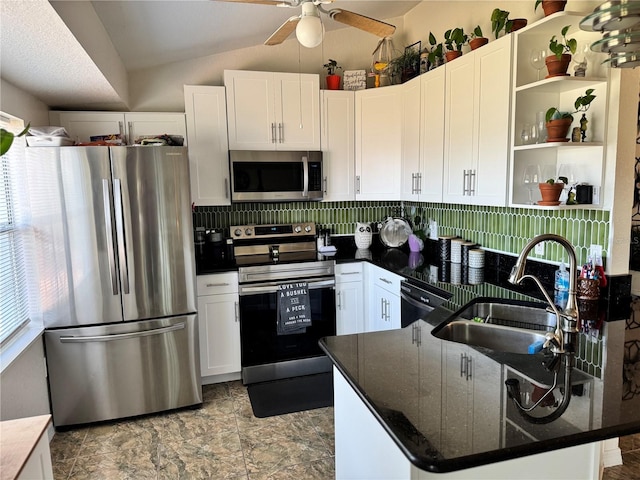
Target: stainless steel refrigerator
122	339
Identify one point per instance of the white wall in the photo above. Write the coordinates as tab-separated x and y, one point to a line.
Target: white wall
23	391
18	103
160	88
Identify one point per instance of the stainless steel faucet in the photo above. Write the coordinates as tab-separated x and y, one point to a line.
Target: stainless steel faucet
563	338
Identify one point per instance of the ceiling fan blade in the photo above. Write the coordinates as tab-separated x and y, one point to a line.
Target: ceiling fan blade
371	25
281	34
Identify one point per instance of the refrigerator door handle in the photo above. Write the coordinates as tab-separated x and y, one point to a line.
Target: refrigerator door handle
122	336
122	246
106	197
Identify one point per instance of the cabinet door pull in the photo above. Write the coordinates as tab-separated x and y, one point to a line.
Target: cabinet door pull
237	310
413	183
472	182
281	132
325	185
217	284
388	282
348	273
469	370
465	182
357	183
226	188
463	363
419	183
339	300
273	132
131	137
121	131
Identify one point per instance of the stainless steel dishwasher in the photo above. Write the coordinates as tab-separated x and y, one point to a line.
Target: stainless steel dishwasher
417	302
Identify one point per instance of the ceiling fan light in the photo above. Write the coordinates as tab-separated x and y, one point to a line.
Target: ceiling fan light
310	31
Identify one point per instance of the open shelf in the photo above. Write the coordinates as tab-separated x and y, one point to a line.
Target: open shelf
560	84
538	146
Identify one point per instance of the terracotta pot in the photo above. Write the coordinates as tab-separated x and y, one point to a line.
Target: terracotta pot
557	130
557	67
518	23
550	193
552	6
478	42
333	82
452	55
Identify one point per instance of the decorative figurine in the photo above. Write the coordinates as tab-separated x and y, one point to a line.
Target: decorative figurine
580	69
576	134
583	127
571	197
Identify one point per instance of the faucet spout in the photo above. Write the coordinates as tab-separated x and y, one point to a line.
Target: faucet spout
567	321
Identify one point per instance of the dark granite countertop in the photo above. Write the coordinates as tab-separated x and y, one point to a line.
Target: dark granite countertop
444	420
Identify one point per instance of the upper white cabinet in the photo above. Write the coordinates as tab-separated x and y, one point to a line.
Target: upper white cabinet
337	141
206	114
272	111
476	148
379	143
581	162
432	135
411	113
82	125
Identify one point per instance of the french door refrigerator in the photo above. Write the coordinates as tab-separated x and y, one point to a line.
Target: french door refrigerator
122	340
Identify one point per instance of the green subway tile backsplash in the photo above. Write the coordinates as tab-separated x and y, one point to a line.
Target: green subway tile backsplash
504	229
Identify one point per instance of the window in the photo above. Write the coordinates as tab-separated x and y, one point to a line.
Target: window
14	231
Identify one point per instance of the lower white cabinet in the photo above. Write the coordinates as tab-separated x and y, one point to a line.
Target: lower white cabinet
349	298
383	299
219	325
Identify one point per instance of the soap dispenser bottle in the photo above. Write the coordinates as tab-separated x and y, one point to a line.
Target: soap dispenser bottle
562	278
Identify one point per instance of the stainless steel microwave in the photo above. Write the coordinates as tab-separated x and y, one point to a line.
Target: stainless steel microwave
268	176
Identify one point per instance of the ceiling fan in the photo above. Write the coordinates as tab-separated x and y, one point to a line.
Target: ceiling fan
308	25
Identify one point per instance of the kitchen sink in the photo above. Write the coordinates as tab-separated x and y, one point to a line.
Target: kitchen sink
498	324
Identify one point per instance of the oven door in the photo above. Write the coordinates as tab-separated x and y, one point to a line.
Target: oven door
268	356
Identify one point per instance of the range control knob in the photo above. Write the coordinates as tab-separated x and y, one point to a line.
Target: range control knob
297	229
307	228
248	232
237	232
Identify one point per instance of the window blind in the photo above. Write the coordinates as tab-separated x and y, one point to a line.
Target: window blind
14	289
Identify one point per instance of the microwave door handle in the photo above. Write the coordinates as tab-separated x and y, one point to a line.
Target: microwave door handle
305	179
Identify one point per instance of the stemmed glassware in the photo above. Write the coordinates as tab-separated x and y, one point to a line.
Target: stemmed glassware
567	170
536	58
530	179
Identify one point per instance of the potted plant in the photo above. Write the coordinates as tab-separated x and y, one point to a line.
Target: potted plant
558	123
550	6
500	22
551	190
436	52
562	49
454	40
477	39
333	80
408	63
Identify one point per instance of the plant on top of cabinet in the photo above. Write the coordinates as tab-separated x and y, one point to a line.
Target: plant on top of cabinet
500	22
436	53
562	49
454	40
333	79
477	39
408	63
558	122
551	6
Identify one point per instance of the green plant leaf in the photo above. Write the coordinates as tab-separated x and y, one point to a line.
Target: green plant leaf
432	39
572	45
550	113
477	31
538	2
564	30
6	139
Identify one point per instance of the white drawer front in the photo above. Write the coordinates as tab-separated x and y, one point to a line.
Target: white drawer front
217	283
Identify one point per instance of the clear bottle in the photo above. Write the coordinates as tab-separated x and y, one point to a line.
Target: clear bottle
562	278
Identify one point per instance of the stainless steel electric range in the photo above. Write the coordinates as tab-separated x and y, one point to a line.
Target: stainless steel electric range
268	256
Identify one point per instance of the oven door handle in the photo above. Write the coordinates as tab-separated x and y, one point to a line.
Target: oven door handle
272	287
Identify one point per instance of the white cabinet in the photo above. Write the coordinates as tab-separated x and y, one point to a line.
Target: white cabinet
586	160
464	373
219	326
378	143
476	146
349	298
411	112
273	111
130	126
383	299
337	142
432	136
206	114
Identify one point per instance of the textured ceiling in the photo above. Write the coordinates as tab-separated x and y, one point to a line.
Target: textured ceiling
60	65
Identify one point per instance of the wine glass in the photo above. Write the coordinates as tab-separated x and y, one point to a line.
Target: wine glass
536	58
530	179
567	170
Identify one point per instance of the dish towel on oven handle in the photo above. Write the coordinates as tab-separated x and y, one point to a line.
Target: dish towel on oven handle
294	308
